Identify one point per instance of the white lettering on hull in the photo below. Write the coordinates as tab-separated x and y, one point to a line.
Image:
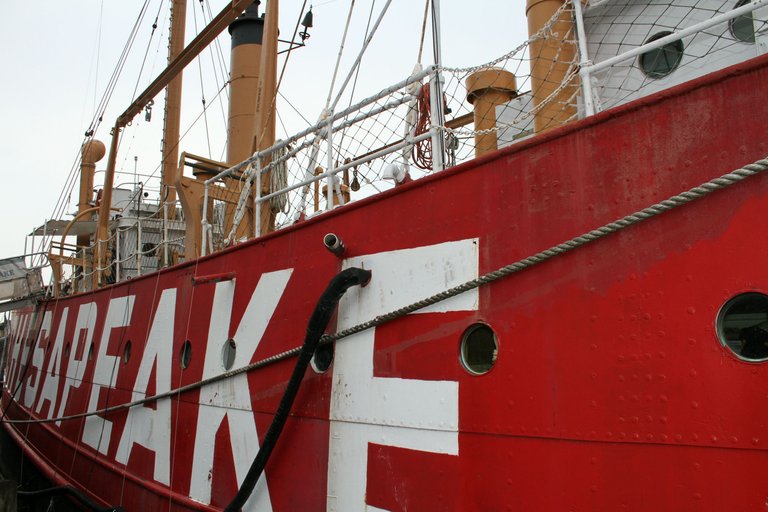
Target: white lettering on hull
98	430
38	358
406	413
86	322
24	343
17	338
230	399
151	428
50	389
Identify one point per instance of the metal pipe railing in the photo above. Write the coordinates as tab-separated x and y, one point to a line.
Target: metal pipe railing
317	127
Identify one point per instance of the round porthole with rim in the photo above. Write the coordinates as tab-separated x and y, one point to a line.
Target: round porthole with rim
127	352
479	349
660	62
742	326
185	356
323	358
742	27
228	352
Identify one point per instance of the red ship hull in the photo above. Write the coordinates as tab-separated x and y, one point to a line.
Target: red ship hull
611	390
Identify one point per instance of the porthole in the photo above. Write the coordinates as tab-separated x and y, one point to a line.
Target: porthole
662	61
228	352
323	358
479	349
185	356
742	326
742	28
127	352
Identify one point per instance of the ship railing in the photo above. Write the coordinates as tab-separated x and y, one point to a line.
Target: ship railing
576	65
593	56
147	238
144	237
325	163
405	132
20	285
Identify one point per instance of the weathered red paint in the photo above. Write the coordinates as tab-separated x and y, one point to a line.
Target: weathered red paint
611	390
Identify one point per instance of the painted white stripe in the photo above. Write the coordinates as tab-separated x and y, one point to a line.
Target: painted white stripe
407	413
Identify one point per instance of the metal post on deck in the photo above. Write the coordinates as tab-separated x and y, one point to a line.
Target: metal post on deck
165	233
436	94
138	247
331	177
84	273
117	256
257	198
584	62
204	221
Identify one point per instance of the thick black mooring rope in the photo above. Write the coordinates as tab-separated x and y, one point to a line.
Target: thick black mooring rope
315	329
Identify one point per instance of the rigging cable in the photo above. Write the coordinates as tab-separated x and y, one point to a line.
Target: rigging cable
294	108
98	53
65	195
219	53
338	57
218	68
357	74
421	152
282	73
189	128
198	59
699	192
146	52
362	52
423	30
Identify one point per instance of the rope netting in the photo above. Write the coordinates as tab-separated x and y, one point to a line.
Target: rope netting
618	26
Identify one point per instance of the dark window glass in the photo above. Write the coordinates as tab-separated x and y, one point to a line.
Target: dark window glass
479	349
742	326
743	27
662	61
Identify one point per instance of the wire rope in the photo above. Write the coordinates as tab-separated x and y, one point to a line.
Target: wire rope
734	177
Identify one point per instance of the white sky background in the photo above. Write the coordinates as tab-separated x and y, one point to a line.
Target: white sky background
49	85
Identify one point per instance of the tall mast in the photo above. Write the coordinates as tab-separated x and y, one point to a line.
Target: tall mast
173	103
203	39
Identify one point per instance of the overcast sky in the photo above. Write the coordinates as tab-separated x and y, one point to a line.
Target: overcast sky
57	58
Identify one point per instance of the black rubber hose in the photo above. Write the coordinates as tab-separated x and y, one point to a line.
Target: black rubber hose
315	330
75	493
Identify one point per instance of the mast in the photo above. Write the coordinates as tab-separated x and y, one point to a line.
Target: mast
265	109
173	104
203	39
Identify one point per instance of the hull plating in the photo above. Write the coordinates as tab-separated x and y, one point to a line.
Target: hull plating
611	390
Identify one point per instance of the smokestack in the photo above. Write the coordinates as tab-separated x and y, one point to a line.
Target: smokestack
247	32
